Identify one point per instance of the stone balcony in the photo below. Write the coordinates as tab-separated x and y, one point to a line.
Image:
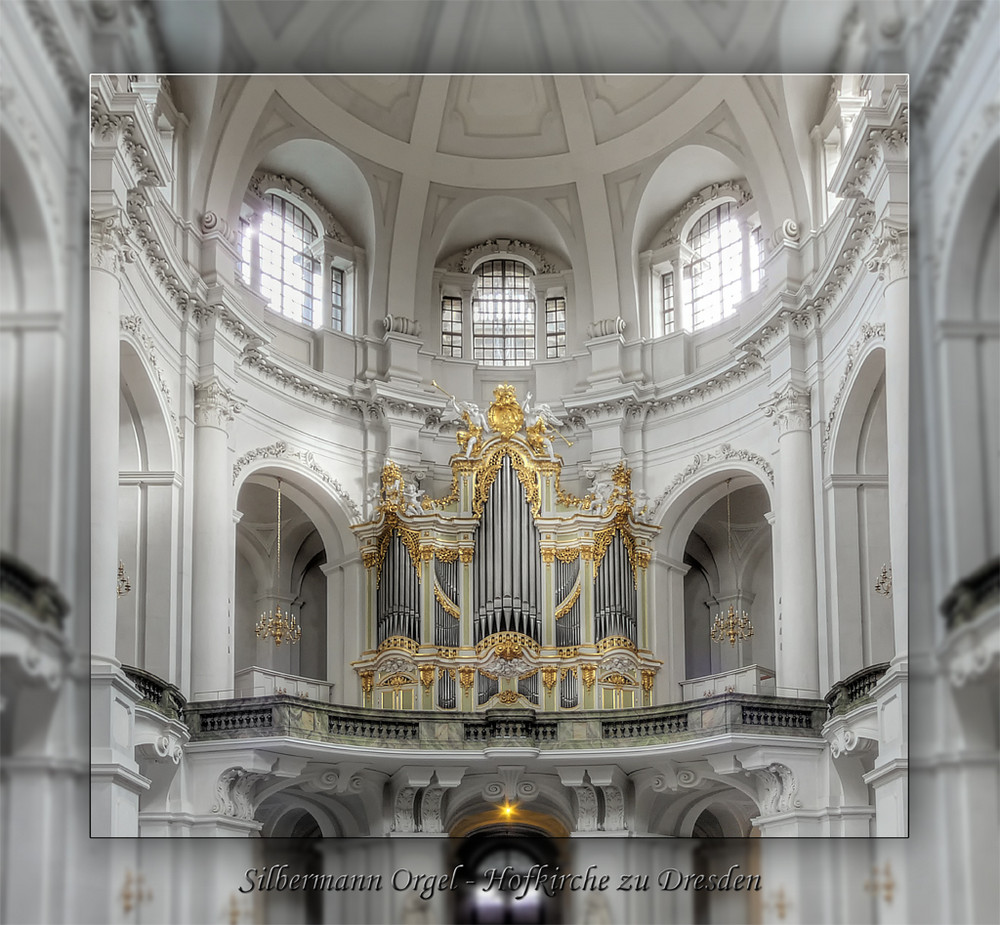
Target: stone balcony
289	717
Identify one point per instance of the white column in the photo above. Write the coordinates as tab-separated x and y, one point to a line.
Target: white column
798	643
212	614
108	252
667	626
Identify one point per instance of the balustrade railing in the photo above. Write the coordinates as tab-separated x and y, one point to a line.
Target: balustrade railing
854	690
163	697
298	717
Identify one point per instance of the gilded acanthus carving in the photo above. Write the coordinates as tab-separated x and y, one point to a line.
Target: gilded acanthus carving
789	408
281	450
215	405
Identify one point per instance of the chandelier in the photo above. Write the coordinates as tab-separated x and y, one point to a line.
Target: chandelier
733	625
277	624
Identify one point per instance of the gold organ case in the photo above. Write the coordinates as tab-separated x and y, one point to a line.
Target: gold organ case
509	591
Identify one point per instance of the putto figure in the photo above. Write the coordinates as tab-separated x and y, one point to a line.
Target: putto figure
473	418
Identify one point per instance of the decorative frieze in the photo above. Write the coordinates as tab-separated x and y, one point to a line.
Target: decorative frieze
724	452
133	325
282	450
889	259
737	189
498	246
63	59
234	793
264	182
868	332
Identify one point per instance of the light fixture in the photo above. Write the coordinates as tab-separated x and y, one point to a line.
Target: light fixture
276	624
733	625
124	585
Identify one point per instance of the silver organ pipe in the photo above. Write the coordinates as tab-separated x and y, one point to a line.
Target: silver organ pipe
569	690
486	687
447	696
568	625
615	595
507	562
446	627
528	687
398	596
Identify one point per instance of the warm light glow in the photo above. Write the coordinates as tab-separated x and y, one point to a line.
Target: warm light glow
508	809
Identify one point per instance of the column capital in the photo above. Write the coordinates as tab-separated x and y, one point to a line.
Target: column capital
889	257
789	408
109	244
214	404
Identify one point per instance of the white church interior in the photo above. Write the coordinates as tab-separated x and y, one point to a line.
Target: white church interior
523	457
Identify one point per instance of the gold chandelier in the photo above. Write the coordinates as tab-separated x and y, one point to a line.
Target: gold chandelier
277	624
733	625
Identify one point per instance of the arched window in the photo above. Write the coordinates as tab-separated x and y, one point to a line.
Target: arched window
290	275
716	270
503	314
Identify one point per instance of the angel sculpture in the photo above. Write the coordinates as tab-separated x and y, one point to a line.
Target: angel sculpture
411	499
538	436
475	422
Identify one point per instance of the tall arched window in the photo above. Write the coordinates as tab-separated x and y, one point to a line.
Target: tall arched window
503	314
290	275
716	270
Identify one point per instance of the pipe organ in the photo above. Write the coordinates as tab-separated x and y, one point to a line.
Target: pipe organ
508	591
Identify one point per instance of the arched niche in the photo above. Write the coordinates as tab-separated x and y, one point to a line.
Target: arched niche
969	355
857	490
319	562
693	580
149	503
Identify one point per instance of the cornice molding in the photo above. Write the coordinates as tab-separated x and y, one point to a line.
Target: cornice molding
945	53
71	74
121	119
495	247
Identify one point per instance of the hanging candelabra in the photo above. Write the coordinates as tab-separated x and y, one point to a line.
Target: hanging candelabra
277	624
732	625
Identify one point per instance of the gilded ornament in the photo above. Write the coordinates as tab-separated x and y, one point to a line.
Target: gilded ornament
448	652
507	645
615	642
449	606
548	556
445	554
399	642
570	554
567	605
397	680
589	674
507	697
549	676
466	555
367	681
505	414
427	675
466	676
617	679
648	677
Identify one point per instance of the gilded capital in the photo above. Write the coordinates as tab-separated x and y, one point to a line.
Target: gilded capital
215	405
789	409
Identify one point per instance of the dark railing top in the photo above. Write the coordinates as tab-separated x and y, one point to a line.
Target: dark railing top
23	586
854	689
163	697
972	595
298	717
